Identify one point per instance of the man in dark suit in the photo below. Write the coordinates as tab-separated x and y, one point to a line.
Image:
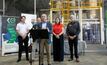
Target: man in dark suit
35	36
73	30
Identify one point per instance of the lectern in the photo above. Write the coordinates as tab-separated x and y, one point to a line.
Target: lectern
38	34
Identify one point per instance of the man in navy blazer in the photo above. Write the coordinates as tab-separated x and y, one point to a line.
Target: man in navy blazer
44	42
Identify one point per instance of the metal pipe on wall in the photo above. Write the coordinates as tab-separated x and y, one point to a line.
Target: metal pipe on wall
3	7
34	6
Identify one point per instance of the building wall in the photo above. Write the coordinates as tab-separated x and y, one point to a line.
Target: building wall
1	4
12	8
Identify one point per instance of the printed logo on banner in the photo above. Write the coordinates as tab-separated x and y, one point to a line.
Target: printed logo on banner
11	32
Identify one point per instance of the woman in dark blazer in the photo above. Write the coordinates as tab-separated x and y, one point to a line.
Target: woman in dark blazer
58	41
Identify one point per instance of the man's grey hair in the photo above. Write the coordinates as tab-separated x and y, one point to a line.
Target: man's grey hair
44	15
73	17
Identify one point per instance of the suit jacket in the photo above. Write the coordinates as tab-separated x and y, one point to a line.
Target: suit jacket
49	26
73	28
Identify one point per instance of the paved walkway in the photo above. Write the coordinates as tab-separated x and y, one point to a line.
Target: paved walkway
87	59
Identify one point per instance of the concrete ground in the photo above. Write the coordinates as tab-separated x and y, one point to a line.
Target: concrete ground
87	59
96	57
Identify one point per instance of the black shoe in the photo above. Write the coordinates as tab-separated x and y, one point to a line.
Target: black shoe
32	60
27	59
77	60
36	50
41	64
18	60
49	64
70	60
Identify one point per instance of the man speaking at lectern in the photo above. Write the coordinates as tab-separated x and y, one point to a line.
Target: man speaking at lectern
45	25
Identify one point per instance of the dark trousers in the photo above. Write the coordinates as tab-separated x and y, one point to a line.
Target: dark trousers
73	46
23	45
58	48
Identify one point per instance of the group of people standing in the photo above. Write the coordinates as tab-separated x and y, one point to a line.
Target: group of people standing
57	31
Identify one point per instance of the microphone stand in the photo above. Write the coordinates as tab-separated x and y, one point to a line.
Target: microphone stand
30	61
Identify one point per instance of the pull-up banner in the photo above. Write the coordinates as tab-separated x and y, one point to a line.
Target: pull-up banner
9	35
